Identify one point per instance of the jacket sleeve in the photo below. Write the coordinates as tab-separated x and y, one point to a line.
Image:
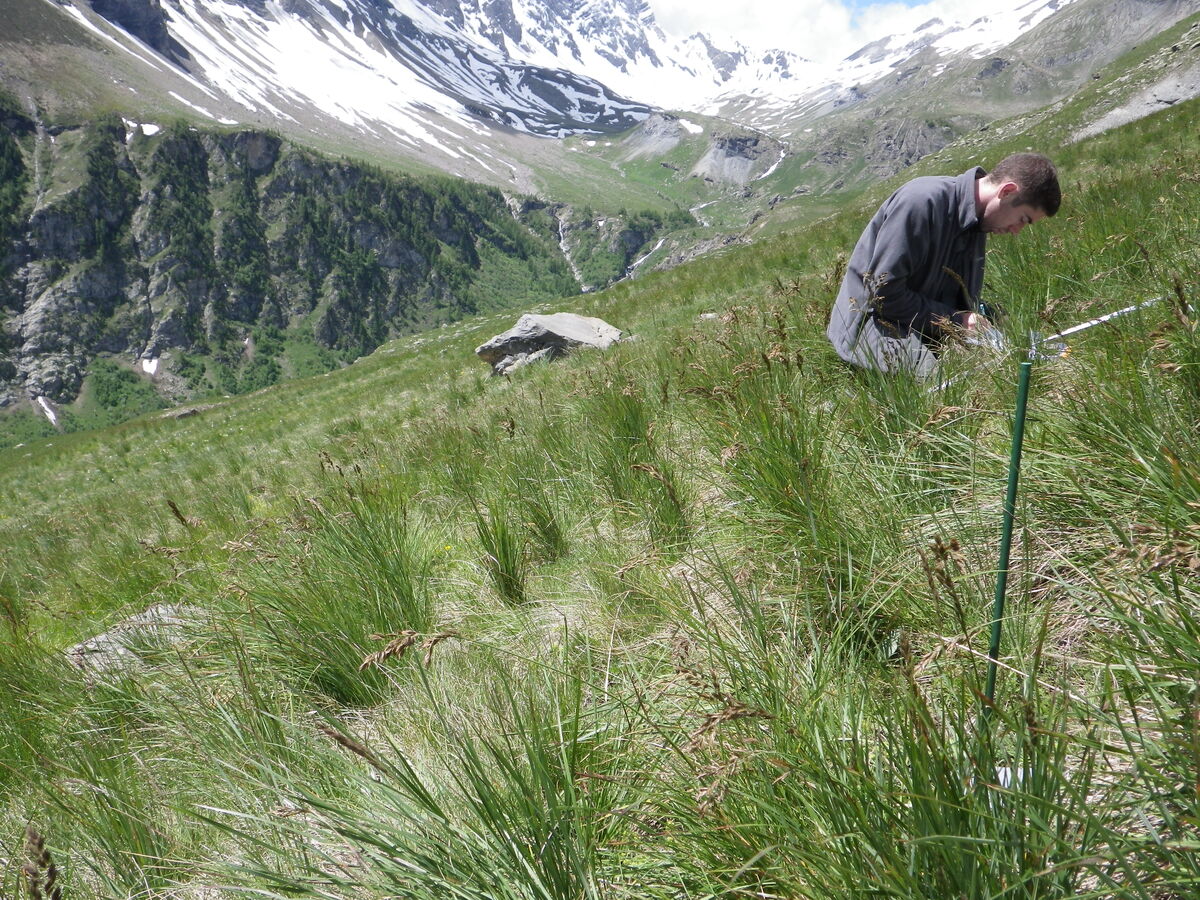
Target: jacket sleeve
908	246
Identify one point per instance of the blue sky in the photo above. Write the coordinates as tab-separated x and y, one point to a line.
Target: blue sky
822	30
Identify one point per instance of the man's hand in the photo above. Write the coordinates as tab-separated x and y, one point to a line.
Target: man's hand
976	330
971	322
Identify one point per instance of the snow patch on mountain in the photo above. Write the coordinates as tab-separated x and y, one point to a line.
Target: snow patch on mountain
265	62
813	86
972	32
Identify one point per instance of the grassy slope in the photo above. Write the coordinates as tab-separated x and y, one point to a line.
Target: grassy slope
701	616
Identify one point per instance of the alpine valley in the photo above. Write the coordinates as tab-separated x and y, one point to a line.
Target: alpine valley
201	196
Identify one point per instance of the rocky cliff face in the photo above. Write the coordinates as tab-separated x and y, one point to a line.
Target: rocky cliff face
145	20
185	246
605	249
738	157
215	260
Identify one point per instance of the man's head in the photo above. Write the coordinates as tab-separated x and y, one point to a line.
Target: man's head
1020	190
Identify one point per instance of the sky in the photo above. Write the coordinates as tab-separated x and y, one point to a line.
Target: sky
820	30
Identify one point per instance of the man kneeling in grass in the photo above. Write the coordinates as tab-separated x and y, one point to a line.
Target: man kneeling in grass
915	275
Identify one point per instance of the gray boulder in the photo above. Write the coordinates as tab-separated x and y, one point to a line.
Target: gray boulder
125	646
537	337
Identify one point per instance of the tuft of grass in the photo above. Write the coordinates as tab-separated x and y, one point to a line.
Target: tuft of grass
636	472
365	570
505	548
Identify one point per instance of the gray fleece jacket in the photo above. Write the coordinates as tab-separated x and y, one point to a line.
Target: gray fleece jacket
919	260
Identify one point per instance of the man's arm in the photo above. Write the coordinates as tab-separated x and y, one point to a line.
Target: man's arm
906	247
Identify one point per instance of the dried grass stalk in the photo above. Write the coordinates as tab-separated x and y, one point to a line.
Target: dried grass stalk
41	874
432	641
350	744
397	646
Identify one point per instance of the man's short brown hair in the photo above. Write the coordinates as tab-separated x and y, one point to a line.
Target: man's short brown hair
1036	177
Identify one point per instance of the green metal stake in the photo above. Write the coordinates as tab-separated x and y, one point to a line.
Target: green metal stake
1010	504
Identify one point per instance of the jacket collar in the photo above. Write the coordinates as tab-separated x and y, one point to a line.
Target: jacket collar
964	184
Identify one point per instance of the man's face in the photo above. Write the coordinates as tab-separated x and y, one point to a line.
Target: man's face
1001	216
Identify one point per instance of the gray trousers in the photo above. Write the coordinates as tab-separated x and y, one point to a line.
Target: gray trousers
859	340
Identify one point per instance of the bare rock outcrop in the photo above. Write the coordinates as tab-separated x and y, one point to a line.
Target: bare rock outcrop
537	337
123	648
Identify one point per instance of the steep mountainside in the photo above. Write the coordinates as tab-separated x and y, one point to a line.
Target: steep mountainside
227	260
488	90
919	96
428	88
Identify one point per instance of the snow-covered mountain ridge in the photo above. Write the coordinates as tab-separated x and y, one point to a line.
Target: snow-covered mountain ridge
548	67
461	86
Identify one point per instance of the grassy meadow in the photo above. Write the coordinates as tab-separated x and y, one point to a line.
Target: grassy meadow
705	615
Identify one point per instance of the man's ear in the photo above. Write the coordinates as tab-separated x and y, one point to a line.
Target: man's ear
1009	187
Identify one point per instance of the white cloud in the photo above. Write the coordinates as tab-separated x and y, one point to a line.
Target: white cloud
821	30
